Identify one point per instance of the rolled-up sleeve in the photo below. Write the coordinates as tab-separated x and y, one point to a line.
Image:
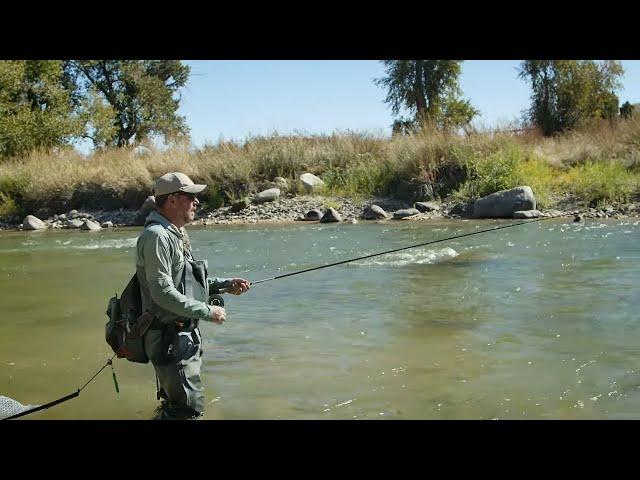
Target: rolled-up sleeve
216	283
157	266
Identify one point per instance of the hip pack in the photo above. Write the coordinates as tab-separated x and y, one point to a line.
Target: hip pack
124	332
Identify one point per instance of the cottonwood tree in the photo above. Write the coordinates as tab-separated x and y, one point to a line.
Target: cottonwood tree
429	89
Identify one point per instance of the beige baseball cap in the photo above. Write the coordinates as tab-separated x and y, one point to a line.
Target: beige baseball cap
175	182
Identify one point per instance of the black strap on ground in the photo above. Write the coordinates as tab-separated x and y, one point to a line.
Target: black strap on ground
413	246
60	400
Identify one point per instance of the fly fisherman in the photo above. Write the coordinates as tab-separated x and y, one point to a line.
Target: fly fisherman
175	289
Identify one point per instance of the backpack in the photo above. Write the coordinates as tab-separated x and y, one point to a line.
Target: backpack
127	324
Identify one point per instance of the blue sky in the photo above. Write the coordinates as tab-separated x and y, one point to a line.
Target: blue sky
234	99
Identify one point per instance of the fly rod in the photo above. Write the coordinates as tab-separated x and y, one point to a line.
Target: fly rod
411	246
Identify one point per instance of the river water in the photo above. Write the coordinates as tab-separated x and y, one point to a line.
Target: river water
533	322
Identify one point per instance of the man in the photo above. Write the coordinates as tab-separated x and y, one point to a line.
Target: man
175	290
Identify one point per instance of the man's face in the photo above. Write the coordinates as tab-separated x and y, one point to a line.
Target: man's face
186	206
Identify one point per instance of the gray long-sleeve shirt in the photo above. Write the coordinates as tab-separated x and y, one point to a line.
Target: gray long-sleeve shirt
159	264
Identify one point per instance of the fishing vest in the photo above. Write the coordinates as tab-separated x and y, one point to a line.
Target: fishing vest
127	324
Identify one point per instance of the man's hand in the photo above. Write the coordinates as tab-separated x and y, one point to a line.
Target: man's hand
238	286
218	315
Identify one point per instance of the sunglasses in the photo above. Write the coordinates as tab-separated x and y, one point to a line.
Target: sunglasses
190	196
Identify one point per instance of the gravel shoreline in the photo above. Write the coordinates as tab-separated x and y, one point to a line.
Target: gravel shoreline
291	209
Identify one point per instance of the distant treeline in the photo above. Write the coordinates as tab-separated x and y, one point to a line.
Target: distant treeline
116	103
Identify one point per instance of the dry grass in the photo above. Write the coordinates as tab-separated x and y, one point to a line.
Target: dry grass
600	162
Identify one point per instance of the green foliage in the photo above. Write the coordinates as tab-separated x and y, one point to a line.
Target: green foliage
36	111
213	197
12	188
360	179
127	100
569	93
7	205
601	182
429	89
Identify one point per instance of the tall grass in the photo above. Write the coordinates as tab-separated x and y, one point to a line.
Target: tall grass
599	163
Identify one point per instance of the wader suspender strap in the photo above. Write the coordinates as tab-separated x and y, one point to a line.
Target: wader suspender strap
188	278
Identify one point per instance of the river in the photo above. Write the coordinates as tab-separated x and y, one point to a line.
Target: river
533	322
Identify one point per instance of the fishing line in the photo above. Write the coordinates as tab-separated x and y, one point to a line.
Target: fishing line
406	248
67	397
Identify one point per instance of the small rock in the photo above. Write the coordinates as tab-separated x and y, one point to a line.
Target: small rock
107	224
427	206
310	182
90	225
527	214
330	215
62	217
406	212
73	214
313	215
240	205
266	196
74	223
374	212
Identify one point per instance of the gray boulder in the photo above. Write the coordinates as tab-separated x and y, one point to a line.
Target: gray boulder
527	214
90	225
74	223
504	203
313	215
107	224
267	196
330	215
427	206
73	214
405	212
147	207
31	222
310	182
374	212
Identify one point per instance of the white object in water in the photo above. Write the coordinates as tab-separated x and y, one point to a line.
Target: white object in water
10	407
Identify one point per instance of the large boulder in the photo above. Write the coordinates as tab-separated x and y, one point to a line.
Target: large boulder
143	212
330	215
310	182
374	212
405	212
505	203
31	222
266	196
